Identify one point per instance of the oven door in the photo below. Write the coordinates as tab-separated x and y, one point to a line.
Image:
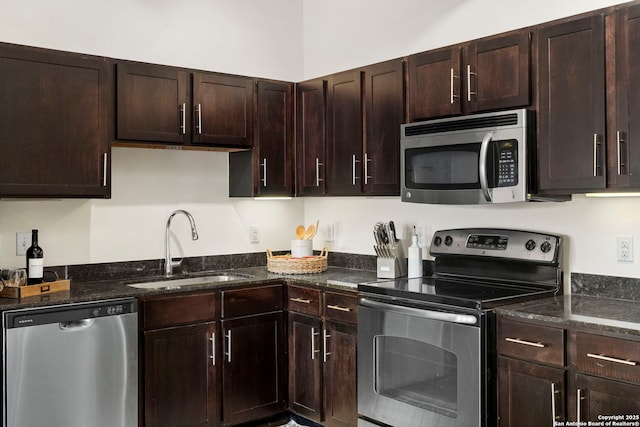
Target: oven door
418	367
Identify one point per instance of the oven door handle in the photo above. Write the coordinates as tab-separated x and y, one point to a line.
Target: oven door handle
482	166
465	319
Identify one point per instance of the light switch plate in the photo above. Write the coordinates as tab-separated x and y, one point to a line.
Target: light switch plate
254	233
23	241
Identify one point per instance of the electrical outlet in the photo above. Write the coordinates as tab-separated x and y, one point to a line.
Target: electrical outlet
625	248
330	233
421	232
254	234
23	241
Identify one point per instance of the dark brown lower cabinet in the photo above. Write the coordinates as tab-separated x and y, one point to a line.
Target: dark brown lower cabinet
593	397
531	395
253	368
180	377
339	374
305	361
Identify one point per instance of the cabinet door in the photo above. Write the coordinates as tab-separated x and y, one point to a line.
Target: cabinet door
180	377
344	137
434	84
54	123
497	73
530	395
571	114
223	110
310	137
274	138
625	167
305	364
384	112
593	396
152	103
253	384
339	373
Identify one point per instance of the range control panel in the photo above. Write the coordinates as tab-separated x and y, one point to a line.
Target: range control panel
498	243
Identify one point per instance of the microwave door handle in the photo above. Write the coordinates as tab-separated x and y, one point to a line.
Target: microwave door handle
465	319
482	167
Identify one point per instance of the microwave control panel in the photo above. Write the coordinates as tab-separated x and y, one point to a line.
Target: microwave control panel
507	153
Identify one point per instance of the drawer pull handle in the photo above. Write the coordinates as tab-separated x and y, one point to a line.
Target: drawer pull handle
612	359
337	307
523	342
302	300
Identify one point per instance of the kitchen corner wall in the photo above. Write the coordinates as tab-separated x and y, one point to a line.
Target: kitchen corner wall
288	40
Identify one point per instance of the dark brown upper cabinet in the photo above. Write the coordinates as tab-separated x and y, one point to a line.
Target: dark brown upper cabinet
267	170
54	119
571	111
158	104
348	138
311	128
154	103
484	75
222	110
344	134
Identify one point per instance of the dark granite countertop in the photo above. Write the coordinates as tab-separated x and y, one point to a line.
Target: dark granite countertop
338	278
594	313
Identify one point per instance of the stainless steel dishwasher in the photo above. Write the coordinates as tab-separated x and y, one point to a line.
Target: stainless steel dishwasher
71	365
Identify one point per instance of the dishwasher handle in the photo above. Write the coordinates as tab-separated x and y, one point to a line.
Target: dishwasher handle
76	325
465	319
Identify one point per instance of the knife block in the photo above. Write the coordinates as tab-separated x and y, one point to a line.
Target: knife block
394	266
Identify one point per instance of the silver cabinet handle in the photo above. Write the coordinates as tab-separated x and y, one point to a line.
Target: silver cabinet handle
612	359
554	392
183	117
228	353
354	160
302	300
596	143
213	348
264	172
339	308
318	164
469	74
453	94
482	166
325	335
524	342
620	139
314	334
579	399
366	168
104	169
199	116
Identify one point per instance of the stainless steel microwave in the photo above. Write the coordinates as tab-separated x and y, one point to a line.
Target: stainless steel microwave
474	159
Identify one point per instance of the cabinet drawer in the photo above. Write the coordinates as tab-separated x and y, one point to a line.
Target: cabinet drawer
531	342
249	301
608	357
340	307
172	310
304	300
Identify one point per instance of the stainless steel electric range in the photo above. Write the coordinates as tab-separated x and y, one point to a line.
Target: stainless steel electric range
426	346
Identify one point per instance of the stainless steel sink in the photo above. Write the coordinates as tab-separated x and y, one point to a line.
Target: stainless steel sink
189	281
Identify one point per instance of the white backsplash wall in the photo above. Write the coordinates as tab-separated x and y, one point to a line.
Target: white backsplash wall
147	185
590	226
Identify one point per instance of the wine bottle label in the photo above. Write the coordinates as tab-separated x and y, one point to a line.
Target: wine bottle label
36	268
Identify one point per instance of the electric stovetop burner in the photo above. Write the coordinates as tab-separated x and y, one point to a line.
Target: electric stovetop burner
481	269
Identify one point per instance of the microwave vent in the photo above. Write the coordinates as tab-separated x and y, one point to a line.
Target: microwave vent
461	124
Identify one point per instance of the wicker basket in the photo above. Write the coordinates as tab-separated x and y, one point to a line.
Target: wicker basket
286	264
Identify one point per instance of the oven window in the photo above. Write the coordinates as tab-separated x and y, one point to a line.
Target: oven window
449	167
416	373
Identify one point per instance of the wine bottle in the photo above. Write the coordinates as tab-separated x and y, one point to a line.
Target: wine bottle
35	261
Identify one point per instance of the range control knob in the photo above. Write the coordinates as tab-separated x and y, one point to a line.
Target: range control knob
448	240
545	247
437	240
530	245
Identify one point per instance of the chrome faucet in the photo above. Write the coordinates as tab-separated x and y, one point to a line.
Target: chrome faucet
169	263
